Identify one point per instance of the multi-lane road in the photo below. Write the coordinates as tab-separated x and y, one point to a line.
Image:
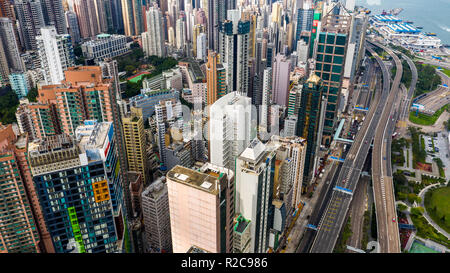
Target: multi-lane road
387	226
334	216
434	100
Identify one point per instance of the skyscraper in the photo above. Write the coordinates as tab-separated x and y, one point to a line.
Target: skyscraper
215	78
330	61
201	47
132	17
31	19
153	38
18	232
234	53
169	126
73	27
10	61
61	165
88	19
84	94
135	142
254	190
201	207
54	15
231	128
309	121
56	54
305	16
180	34
281	70
155	209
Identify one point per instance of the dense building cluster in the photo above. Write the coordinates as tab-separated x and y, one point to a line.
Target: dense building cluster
214	154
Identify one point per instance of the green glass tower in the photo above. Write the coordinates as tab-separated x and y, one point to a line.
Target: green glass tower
308	122
330	61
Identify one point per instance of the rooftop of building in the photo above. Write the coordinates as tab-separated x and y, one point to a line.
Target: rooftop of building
193	178
156	188
313	78
196	249
93	134
50	144
194	69
241	224
254	151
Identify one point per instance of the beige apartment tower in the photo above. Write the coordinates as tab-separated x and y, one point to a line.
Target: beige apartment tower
135	142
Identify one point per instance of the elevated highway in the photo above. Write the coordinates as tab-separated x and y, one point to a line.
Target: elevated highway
335	213
383	188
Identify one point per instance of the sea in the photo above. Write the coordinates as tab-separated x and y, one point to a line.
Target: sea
432	15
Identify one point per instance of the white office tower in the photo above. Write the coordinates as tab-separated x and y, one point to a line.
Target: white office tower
230	128
181	34
201	47
254	190
155	209
266	98
302	52
153	39
56	54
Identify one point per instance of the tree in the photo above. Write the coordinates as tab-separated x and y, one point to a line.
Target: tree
417	211
8	105
129	69
32	94
401	207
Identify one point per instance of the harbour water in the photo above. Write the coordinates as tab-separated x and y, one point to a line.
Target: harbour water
432	15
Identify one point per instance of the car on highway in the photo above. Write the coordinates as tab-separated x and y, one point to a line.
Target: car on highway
393	220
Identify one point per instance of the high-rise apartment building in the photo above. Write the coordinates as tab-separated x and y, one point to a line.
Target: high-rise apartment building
254	192
31	19
196	31
19	84
280	82
135	142
18	230
153	38
10	60
201	47
215	78
84	94
55	53
155	209
132	17
73	26
234	54
180	34
89	18
169	126
289	169
54	15
231	128
201	204
79	189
